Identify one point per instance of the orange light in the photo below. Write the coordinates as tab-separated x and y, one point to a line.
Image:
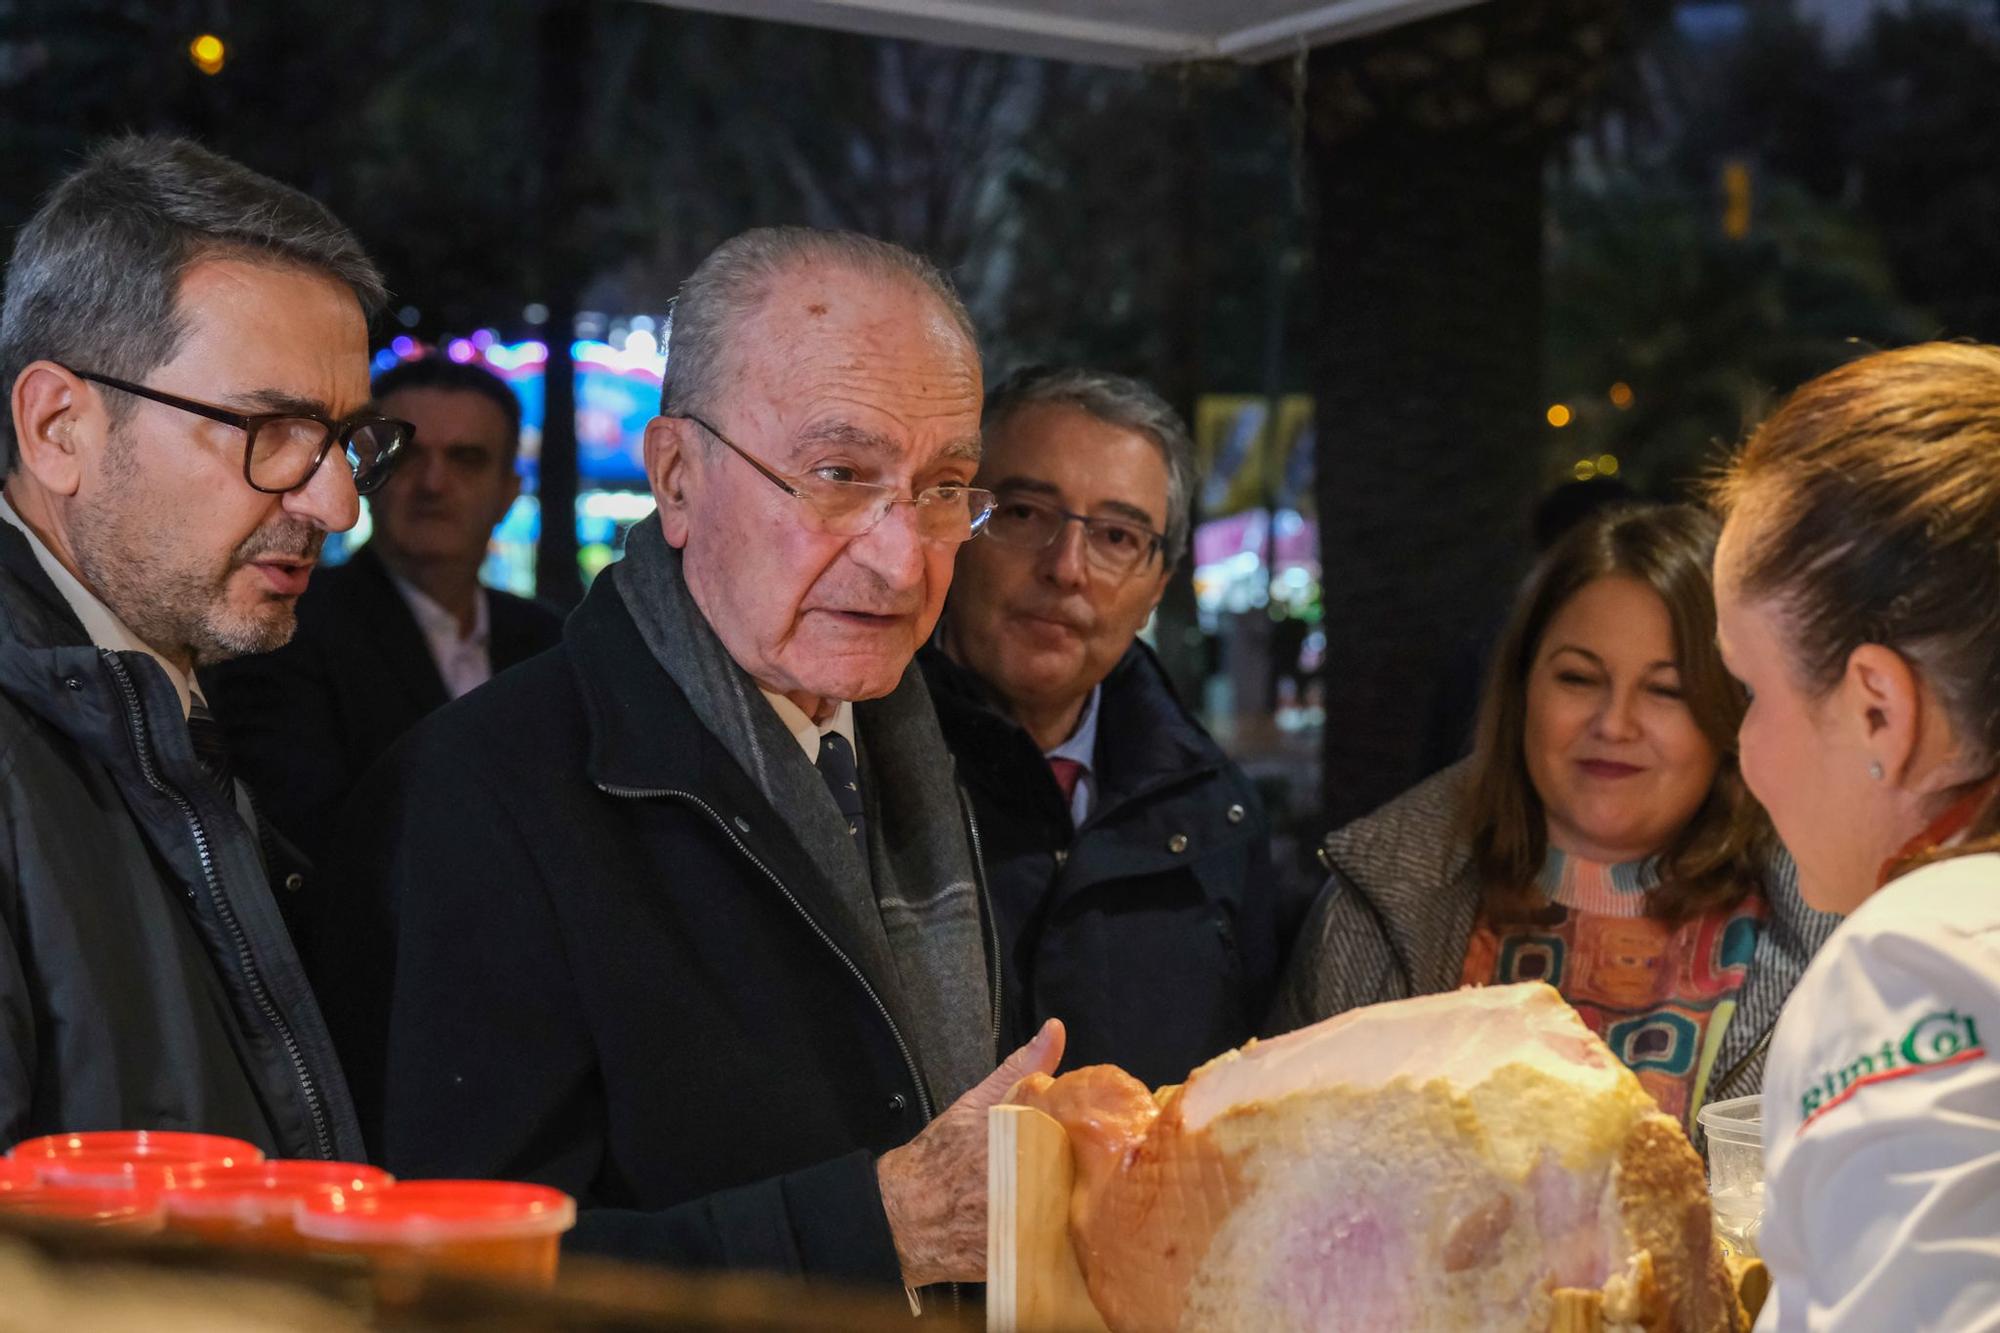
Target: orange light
208	53
1558	415
1621	395
1736	199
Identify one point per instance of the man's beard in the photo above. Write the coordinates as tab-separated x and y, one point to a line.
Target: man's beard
168	596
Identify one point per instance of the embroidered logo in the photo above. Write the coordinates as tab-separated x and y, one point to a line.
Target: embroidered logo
1933	1041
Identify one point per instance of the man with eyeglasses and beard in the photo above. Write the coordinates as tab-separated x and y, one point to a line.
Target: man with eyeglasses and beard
1128	858
683	917
187	350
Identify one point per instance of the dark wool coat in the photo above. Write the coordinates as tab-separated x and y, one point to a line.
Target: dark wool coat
615	971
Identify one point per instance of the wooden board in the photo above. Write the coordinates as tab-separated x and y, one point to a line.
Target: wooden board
1032	1282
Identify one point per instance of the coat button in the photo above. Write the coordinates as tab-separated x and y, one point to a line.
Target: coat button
73	682
898	1102
1177	844
295	881
742	824
1234	814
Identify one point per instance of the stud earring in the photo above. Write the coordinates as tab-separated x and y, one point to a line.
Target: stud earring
1875	769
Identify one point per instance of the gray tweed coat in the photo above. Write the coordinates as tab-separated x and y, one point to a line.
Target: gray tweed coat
1398	910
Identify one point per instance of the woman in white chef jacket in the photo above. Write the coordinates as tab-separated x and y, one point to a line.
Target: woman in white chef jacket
1858	598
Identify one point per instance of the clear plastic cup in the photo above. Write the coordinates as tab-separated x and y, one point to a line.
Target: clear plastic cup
1735	1131
490	1228
125	1207
255	1203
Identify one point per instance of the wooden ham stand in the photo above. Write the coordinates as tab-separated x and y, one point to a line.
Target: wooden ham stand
1033	1284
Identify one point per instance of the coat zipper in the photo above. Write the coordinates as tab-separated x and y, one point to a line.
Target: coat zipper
136	719
909	1061
986	906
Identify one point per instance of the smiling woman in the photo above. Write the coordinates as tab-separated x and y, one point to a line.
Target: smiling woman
1600	839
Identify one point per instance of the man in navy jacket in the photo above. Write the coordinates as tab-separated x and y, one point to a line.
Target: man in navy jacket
1129	859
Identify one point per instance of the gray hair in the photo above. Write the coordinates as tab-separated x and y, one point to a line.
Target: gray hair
733	281
1118	400
95	277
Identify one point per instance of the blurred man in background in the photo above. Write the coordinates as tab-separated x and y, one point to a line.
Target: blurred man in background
405	625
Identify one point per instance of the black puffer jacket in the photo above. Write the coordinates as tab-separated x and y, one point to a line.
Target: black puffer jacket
146	977
1156	930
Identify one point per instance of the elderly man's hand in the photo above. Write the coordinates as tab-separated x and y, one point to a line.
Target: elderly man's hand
934	1186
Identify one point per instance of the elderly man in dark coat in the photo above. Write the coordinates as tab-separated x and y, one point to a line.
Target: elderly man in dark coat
1129	859
684	916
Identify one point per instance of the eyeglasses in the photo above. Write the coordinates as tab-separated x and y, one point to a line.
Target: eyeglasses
282	450
945	513
1029	523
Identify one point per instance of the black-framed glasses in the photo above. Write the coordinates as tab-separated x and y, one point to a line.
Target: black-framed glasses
945	513
1031	523
282	450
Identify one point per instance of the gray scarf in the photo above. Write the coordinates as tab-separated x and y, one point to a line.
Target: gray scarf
908	915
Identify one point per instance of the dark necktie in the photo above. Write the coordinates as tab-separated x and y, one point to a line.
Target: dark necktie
1068	773
211	750
843	779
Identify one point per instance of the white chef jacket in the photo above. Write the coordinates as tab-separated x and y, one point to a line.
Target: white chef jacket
1882	1117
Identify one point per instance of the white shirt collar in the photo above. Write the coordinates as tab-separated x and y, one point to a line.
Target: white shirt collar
808	732
1082	743
463	661
438	623
105	629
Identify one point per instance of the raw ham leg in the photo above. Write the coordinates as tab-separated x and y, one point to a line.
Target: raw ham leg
1446	1162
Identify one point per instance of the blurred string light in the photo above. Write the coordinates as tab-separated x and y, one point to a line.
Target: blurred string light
1607	465
1736	199
207	52
1621	395
1558	415
1586	468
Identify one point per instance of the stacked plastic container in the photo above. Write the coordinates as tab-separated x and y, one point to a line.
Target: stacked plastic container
1735	1130
224	1190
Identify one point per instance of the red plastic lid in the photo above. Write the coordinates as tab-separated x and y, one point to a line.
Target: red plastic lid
19	1175
255	1189
133	1144
431	1212
112	1171
139	1209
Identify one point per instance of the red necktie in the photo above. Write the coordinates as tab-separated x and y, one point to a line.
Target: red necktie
1068	773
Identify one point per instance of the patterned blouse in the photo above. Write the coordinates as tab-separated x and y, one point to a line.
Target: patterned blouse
1660	995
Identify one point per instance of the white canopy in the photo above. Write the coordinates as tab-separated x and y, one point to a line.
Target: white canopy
1107	32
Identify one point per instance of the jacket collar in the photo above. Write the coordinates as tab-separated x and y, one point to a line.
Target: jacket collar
638	717
1146	736
31	608
393	630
